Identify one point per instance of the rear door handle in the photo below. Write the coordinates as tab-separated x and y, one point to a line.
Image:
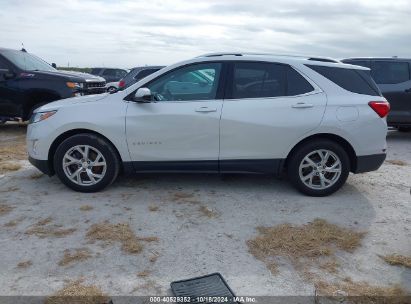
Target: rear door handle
302	105
206	109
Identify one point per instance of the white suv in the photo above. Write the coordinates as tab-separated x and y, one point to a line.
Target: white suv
315	119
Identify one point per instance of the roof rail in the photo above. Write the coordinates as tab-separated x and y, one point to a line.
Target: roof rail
312	58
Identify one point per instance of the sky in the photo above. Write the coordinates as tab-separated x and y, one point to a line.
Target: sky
125	33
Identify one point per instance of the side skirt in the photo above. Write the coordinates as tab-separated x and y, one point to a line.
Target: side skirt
263	166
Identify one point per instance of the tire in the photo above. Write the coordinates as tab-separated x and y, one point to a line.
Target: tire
301	179
90	178
404	129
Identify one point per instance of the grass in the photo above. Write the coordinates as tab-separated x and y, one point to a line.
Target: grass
44	228
143	274
24	264
184	197
4	209
397	260
153	208
397	162
207	212
110	233
9	166
75	256
364	290
86	208
77	292
312	242
36	175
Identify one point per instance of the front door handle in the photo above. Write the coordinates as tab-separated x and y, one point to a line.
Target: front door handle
302	105
206	109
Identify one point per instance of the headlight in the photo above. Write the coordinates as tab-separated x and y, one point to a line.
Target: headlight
36	117
74	85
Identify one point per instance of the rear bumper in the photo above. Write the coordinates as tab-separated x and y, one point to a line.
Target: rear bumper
369	163
42	165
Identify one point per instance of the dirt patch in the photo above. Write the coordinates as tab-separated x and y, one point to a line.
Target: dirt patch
4	209
397	260
12	148
44	228
208	212
151	286
153	208
78	293
86	208
310	244
24	264
110	233
397	162
75	256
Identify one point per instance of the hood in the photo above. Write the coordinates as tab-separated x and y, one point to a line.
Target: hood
70	101
72	76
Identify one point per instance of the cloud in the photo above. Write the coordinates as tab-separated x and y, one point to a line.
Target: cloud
130	33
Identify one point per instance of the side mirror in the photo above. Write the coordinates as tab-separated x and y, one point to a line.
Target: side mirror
143	95
54	65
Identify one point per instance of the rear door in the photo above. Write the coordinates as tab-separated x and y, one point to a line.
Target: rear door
268	107
394	81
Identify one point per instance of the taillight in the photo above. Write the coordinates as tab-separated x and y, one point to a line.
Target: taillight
382	108
121	84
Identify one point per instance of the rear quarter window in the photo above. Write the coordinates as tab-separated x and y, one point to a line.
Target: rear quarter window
353	80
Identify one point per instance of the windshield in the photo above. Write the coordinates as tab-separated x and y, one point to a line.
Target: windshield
27	62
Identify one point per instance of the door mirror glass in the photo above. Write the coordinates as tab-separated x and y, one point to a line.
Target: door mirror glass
143	95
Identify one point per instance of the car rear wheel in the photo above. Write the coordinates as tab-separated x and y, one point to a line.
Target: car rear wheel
86	163
319	168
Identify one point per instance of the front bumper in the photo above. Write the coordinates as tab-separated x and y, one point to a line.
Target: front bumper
369	163
42	165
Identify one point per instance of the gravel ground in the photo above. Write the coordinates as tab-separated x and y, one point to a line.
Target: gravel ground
202	223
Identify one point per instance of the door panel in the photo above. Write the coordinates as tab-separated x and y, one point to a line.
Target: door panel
257	133
181	127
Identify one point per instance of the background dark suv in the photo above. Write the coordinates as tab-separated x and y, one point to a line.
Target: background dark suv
393	77
27	82
109	74
136	74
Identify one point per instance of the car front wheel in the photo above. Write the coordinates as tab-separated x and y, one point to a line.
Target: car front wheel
86	163
319	168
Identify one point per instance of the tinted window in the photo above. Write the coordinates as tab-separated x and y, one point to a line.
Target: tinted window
110	72
195	82
363	63
95	71
353	80
389	72
27	62
144	73
3	64
257	80
297	84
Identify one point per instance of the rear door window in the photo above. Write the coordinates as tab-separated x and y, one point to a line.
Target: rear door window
390	72
353	80
258	80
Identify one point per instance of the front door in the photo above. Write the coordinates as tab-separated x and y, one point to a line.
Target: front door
180	130
10	94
